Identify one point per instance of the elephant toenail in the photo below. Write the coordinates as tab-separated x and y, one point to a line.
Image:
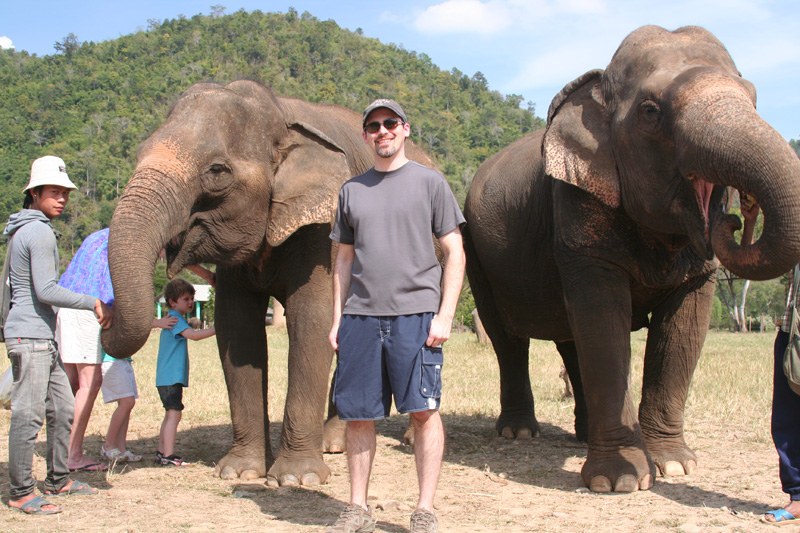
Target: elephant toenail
600	484
524	434
248	475
228	473
673	468
626	483
289	480
310	479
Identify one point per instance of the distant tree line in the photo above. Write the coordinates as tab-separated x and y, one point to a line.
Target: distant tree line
94	103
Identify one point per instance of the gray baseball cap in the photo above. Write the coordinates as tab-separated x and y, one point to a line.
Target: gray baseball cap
391	105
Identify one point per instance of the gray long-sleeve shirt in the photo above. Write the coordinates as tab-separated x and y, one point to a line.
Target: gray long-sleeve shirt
33	274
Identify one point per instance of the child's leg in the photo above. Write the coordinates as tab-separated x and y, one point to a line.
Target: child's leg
118	426
169	431
123	430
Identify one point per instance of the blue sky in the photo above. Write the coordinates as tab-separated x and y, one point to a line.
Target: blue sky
526	47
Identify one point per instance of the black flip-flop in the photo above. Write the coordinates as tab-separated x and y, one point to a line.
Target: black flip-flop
92	467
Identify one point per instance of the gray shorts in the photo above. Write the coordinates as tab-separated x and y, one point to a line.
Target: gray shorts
385	357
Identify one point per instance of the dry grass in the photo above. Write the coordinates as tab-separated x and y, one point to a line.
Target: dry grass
727	423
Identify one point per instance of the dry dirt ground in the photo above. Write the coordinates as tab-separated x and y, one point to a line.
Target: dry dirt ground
487	484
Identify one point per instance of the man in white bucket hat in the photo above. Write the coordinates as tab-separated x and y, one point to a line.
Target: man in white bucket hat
49	170
41	386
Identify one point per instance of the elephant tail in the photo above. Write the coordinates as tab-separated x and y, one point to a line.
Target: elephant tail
480	286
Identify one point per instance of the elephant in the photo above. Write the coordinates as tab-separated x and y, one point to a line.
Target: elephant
612	219
241	178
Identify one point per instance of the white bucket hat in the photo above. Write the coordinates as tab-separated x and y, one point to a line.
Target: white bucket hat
49	170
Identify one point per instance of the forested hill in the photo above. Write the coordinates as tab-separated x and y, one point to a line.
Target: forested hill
93	103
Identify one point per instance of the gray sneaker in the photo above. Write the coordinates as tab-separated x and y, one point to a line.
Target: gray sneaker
423	522
354	519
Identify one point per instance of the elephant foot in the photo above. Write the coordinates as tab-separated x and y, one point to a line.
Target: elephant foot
333	439
522	427
307	472
244	467
672	458
624	469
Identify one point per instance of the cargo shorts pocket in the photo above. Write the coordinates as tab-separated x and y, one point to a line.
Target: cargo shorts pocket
431	370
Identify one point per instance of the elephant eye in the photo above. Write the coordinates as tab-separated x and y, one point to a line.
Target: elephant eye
649	116
217	178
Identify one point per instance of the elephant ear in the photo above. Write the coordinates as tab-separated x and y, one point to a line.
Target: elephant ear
307	180
577	143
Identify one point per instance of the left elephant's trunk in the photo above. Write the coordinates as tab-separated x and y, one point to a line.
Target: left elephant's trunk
727	143
148	215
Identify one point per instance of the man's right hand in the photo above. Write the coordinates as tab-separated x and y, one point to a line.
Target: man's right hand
333	336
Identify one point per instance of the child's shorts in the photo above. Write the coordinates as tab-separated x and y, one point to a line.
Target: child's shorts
381	357
171	396
119	380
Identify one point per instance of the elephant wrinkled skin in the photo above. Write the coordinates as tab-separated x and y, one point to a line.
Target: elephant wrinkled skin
249	181
612	219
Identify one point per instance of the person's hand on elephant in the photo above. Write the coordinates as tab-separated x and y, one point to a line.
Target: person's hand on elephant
104	314
750	208
165	322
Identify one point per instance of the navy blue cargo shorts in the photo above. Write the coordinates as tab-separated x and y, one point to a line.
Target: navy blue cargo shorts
385	356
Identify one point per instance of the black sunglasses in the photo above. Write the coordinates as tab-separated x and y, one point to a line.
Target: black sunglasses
389	124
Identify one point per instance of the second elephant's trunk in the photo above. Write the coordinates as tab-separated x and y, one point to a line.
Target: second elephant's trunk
729	144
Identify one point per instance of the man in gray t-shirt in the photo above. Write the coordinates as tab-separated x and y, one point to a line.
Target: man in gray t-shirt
390	315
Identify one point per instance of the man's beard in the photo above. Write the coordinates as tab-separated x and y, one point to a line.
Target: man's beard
387	151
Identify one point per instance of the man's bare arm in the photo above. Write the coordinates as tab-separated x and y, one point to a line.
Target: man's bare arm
453	277
341	287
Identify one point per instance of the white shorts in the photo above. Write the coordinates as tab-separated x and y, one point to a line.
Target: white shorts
78	337
118	380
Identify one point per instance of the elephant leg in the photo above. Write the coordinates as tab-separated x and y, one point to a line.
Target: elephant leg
333	440
517	416
308	318
598	302
242	342
569	355
677	332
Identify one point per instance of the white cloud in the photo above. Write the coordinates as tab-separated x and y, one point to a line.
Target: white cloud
464	16
5	43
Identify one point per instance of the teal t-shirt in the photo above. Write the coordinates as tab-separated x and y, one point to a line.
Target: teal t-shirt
109	359
173	355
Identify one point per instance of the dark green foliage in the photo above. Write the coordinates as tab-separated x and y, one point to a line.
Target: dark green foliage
466	303
93	103
795	144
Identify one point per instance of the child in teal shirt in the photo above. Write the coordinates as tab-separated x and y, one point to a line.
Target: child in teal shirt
172	370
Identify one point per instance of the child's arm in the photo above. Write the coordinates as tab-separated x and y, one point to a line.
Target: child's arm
198	334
